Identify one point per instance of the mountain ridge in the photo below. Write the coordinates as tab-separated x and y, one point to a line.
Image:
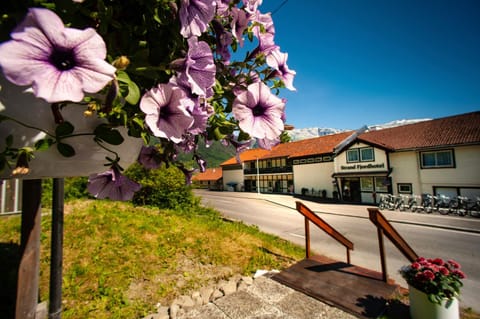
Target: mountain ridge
305	133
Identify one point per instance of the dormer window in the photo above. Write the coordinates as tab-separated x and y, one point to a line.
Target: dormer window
363	154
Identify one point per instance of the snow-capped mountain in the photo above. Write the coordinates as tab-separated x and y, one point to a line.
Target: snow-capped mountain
304	133
395	123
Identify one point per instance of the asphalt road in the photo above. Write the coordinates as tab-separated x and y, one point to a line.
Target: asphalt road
448	237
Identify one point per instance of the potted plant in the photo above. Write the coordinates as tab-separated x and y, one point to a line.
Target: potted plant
434	287
80	79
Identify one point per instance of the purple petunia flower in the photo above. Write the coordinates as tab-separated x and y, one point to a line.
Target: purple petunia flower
240	22
267	144
195	16
112	184
252	5
223	41
149	157
166	111
187	172
259	112
199	69
278	61
200	113
202	164
60	63
266	39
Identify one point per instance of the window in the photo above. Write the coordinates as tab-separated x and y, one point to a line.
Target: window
381	184
366	154
404	188
366	183
437	159
352	155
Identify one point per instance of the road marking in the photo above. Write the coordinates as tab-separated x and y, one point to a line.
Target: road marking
296	235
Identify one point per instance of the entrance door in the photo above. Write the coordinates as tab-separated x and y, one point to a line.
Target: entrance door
351	189
356	194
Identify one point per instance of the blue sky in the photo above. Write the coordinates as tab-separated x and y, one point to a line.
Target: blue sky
364	62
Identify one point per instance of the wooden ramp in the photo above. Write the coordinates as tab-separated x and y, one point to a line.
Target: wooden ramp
354	289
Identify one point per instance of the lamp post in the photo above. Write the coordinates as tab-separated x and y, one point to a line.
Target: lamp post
258	179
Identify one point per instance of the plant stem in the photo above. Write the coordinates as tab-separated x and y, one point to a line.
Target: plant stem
28	126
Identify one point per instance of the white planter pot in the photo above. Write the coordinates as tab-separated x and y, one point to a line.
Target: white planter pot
422	308
89	158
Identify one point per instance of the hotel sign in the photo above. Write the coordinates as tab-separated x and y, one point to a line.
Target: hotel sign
361	166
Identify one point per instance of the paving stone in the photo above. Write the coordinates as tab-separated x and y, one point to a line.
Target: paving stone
208	311
241	305
268	290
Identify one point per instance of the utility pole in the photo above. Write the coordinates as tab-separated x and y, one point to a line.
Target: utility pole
258	179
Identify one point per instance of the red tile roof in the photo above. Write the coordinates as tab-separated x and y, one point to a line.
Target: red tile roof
245	156
318	145
313	146
210	174
448	131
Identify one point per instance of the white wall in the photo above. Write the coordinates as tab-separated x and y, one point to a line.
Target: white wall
232	176
317	176
465	174
406	169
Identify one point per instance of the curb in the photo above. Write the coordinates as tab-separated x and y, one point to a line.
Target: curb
398	221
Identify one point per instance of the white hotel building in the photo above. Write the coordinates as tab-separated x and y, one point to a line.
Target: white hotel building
440	156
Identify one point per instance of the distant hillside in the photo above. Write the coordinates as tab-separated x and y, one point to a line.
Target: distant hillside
214	155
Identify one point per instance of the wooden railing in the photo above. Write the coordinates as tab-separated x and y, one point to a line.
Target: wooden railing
385	228
310	216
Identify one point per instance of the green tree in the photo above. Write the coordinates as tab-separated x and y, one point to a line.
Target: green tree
163	187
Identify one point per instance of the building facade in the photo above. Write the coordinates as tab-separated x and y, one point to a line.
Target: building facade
440	156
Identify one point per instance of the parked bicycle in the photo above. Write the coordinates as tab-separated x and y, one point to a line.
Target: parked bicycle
405	203
442	204
387	201
464	206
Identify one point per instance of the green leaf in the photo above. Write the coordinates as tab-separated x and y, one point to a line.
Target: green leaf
218	134
133	95
43	144
65	149
108	135
63	129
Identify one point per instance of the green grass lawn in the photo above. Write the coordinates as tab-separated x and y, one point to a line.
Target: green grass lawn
121	260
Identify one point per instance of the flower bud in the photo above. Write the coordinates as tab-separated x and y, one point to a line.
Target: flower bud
92	107
121	63
22	167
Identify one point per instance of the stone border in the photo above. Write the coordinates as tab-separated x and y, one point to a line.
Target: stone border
208	294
